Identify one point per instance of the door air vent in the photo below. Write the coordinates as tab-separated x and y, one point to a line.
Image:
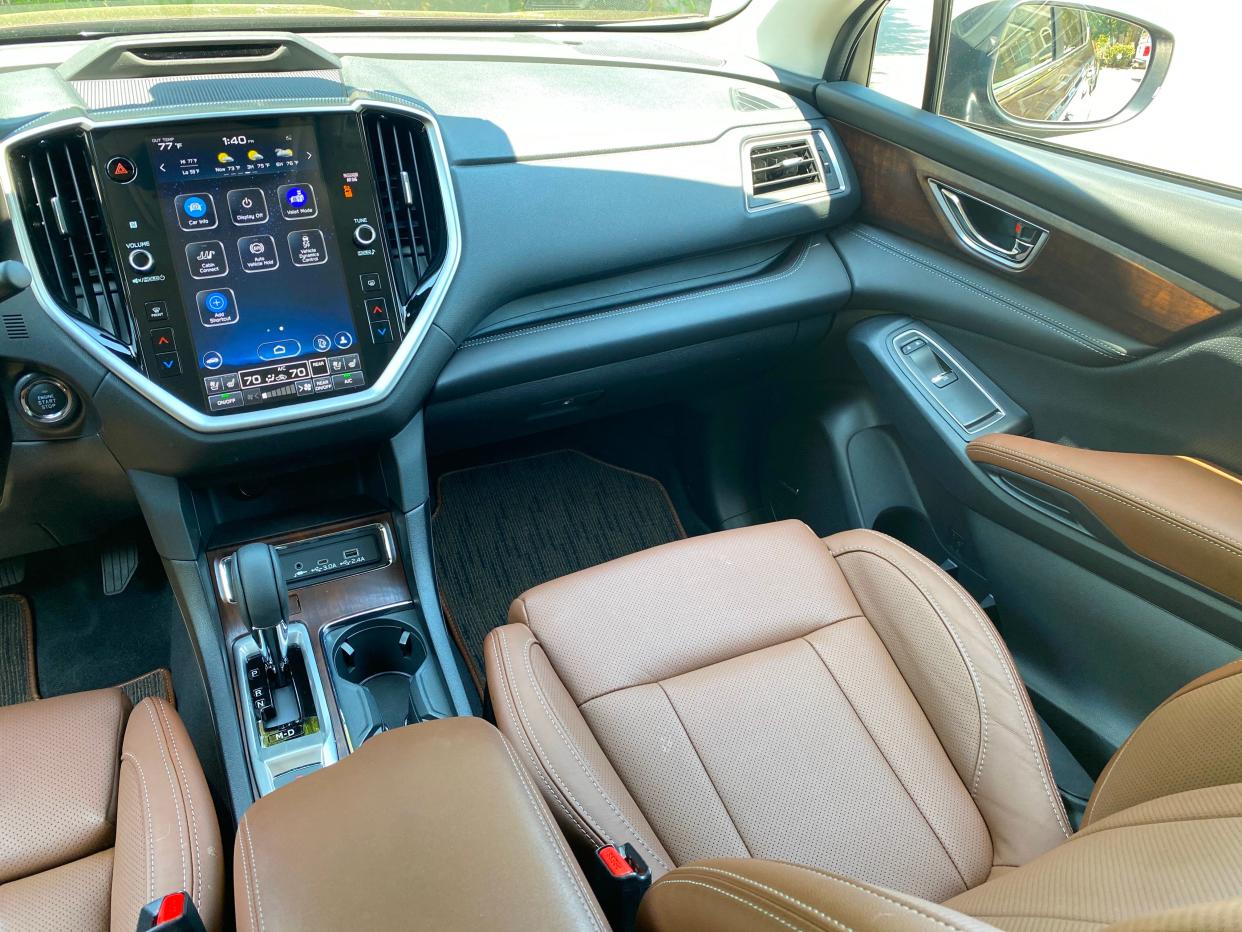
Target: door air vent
411	206
60	204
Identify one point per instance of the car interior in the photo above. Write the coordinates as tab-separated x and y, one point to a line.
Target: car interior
620	465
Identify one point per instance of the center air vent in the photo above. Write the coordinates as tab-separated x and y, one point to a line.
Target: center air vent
785	169
64	222
411	205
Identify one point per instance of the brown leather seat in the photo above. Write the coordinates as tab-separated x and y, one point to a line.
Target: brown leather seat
102	809
844	706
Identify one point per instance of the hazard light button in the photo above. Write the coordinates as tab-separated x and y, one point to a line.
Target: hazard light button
122	170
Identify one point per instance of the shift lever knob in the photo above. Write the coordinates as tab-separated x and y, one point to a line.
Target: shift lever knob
263	600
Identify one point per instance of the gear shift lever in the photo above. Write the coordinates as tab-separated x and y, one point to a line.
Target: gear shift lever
263	600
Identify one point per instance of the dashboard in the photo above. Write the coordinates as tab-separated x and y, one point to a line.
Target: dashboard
235	267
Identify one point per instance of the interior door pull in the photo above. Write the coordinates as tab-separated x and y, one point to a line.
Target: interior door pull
987	230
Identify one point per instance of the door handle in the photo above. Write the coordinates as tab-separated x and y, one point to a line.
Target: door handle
1009	241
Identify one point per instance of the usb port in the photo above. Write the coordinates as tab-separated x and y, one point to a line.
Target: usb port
353	553
323	562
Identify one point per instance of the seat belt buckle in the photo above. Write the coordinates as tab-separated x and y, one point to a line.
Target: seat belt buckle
619	878
173	912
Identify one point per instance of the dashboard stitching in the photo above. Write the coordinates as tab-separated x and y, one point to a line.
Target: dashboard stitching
605	315
1060	329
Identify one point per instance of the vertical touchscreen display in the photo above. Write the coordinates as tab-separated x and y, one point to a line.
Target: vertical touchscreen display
255	252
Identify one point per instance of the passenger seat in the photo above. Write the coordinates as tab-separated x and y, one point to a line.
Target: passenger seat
844	707
102	810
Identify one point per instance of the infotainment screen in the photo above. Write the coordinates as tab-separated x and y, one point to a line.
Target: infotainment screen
252	253
262	266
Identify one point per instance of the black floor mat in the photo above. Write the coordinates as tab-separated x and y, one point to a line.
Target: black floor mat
17	669
504	527
87	640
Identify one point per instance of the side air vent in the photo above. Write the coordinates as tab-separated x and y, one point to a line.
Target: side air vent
64	221
792	168
411	204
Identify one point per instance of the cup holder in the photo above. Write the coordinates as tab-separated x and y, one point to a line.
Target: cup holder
378	672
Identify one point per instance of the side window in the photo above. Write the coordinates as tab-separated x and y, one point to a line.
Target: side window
1131	81
899	59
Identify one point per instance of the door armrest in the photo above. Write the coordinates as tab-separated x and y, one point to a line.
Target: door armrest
1175	511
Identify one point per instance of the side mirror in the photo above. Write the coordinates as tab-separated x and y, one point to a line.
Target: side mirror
1050	68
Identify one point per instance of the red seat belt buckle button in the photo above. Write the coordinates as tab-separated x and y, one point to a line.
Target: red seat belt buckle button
615	861
173	912
171	907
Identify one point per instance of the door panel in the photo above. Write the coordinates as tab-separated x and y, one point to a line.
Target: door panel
1124	334
1076	268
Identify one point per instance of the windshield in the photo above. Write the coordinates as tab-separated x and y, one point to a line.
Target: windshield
68	17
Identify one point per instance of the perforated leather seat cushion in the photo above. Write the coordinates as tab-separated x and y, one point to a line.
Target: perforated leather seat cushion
763	693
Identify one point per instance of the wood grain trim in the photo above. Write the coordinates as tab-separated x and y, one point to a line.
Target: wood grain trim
1076	268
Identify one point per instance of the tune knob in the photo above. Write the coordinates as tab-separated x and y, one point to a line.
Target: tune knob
141	260
364	234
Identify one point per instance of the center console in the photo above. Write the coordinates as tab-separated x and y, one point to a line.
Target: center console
328	644
433	827
251	258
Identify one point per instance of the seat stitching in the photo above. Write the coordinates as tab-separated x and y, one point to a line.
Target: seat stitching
254	867
902	783
172	785
542	765
763	886
150	830
185	786
888	899
1041	763
553	839
620	312
1177	522
246	882
664	678
530	673
1023	310
745	902
980	700
1031	459
736	830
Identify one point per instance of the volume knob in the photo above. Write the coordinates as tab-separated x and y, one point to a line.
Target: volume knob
141	260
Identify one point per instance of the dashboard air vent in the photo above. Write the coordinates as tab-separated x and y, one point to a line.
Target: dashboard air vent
410	202
788	168
779	166
64	221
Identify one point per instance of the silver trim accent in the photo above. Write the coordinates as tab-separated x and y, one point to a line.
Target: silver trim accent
267	764
224	566
904	336
950	202
808	136
243	420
